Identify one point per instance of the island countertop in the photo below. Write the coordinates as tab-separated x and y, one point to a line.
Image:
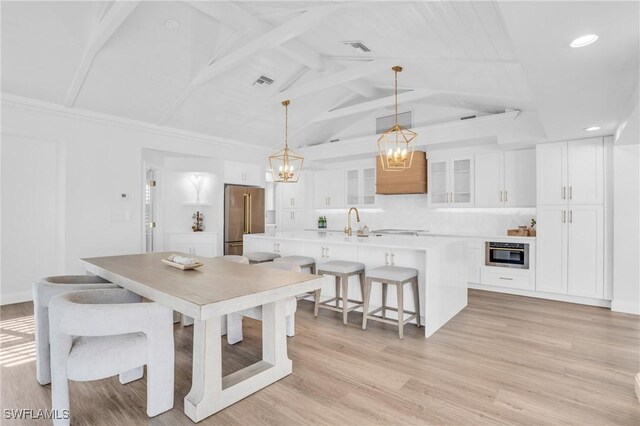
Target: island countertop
413	242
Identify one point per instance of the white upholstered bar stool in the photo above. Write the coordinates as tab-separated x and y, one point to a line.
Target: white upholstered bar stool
397	276
261	257
234	320
43	291
341	270
234	258
304	262
97	334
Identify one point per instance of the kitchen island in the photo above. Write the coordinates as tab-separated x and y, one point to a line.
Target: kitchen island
442	263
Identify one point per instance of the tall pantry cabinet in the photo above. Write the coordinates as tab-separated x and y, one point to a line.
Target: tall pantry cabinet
570	218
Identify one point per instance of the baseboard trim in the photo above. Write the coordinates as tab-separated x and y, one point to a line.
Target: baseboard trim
18	297
548	296
625	307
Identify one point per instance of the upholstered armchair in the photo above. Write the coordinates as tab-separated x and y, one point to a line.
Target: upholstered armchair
43	291
97	334
234	320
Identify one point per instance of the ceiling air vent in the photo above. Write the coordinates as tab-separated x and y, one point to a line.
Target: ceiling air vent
405	119
357	44
263	80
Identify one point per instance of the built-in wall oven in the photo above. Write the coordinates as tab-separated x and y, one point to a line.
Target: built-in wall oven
507	255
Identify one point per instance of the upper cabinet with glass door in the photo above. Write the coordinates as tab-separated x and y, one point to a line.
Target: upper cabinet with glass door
361	186
451	181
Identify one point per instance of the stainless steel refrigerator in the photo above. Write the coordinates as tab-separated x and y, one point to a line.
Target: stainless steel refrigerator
243	214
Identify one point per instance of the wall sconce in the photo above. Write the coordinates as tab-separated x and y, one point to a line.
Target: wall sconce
197	181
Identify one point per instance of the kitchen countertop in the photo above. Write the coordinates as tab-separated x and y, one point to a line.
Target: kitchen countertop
415	242
486	237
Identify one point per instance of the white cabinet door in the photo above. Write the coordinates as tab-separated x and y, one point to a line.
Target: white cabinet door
489	180
519	178
551	273
586	251
585	171
239	173
438	182
291	220
368	186
551	173
329	189
461	178
354	197
292	194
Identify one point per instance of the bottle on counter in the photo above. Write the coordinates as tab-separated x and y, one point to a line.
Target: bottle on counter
319	222
324	222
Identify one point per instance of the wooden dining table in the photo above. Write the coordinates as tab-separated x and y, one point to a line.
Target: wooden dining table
207	294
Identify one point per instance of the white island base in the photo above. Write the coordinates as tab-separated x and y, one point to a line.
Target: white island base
442	263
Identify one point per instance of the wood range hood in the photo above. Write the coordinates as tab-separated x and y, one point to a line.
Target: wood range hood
410	181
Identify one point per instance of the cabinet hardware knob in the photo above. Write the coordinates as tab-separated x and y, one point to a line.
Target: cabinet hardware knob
501	200
393	259
506	278
564	216
386	258
564	192
506	196
571	192
570	216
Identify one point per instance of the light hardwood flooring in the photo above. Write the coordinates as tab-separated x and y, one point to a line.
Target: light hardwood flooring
503	360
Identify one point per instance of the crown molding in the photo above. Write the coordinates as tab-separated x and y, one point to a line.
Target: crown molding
97	117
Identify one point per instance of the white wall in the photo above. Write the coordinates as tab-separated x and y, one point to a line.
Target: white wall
30	214
102	158
626	218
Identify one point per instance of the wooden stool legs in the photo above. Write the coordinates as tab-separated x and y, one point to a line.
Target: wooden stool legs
401	321
342	294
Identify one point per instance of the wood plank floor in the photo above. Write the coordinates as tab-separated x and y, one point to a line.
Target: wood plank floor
503	360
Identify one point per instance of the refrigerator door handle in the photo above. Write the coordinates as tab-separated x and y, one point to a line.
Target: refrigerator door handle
245	202
250	215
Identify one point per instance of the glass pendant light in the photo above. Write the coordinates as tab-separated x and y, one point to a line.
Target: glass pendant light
396	153
285	164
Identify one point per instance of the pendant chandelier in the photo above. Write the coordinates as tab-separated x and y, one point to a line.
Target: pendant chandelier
395	152
285	164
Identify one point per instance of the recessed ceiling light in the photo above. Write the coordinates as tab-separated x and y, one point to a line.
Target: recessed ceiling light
172	24
583	41
592	128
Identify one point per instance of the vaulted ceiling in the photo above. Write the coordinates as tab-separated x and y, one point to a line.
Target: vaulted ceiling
192	65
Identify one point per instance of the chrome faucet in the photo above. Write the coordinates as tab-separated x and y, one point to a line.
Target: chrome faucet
347	230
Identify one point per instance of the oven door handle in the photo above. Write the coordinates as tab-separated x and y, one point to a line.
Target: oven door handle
506	249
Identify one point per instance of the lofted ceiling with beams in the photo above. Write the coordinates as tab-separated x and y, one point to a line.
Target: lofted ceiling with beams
192	65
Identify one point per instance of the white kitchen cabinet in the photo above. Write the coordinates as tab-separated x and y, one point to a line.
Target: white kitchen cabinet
451	181
570	241
193	243
239	173
551	238
291	220
570	172
585	274
505	179
292	195
329	189
361	186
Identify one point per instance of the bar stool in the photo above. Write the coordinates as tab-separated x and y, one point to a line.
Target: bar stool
342	270
397	276
303	262
260	257
234	258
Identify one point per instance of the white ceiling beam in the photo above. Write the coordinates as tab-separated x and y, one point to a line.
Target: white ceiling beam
327	81
375	104
110	21
271	39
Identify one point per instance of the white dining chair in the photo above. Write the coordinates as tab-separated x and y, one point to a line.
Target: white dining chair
97	334
234	320
43	291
